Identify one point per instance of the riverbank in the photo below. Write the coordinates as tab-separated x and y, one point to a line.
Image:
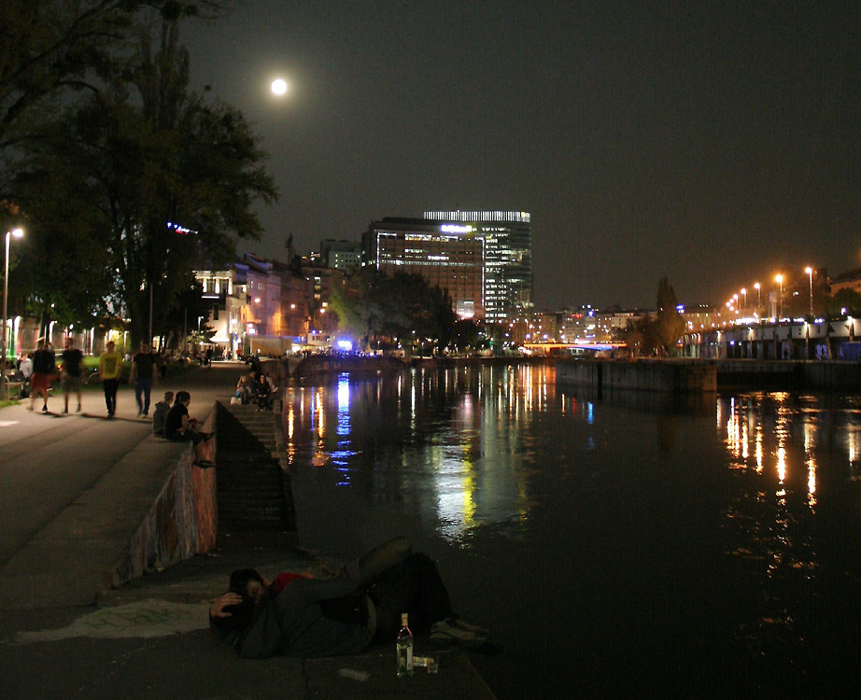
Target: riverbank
75	489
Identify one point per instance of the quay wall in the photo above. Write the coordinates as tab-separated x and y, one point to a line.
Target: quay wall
177	512
672	376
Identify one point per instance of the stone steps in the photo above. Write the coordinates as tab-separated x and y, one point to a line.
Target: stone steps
253	489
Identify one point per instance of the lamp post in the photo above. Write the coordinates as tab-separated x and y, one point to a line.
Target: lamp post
744	298
779	279
758	296
809	271
18	233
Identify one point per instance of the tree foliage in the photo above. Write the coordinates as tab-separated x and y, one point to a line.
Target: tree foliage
668	326
53	47
657	333
126	161
382	310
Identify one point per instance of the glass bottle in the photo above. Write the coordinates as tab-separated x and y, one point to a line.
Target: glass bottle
405	648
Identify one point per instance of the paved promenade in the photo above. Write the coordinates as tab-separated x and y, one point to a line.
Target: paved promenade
68	486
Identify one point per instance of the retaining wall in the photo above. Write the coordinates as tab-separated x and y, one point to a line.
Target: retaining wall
181	520
674	376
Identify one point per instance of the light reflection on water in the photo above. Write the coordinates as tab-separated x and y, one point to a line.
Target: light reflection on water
699	544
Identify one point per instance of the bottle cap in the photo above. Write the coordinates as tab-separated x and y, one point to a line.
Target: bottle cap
404	617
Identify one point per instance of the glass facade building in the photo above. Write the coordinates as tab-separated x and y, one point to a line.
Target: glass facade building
446	255
508	279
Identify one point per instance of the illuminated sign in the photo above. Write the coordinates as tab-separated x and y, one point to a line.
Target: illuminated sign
454	228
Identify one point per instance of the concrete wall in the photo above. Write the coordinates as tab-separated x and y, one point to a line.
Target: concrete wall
182	518
643	375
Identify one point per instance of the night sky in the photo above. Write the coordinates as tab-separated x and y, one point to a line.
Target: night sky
717	143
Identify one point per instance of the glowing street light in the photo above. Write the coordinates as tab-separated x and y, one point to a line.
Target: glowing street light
758	295
17	233
779	280
809	271
744	297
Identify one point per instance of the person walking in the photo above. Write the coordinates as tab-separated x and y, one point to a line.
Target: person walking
110	368
143	372
70	373
44	365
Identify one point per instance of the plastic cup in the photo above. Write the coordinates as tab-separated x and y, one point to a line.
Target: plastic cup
433	664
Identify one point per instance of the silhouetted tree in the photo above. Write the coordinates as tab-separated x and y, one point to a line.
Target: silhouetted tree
668	325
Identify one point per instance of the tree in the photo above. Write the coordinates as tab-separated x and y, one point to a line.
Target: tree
668	326
843	302
149	153
384	310
53	47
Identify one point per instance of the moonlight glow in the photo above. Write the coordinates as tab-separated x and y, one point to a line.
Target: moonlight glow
279	87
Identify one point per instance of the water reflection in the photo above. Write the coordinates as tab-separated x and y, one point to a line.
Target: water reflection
723	532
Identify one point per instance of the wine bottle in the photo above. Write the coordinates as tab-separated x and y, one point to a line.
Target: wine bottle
405	648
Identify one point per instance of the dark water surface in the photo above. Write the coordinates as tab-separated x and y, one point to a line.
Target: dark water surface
620	546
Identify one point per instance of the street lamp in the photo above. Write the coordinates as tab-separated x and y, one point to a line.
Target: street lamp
779	279
744	297
809	271
758	295
18	233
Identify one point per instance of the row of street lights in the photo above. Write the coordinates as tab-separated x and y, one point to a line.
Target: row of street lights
779	279
14	233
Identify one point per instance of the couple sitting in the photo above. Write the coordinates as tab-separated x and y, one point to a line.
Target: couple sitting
181	427
342	615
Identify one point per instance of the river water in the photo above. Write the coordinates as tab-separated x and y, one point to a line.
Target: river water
616	546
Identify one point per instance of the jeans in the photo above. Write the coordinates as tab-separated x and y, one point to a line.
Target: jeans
110	386
413	587
143	385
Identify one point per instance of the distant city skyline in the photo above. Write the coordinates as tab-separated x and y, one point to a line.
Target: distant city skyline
714	144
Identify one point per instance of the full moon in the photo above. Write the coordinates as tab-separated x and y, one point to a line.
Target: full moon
279	87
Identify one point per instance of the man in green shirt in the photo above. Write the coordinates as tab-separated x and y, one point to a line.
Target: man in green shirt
110	367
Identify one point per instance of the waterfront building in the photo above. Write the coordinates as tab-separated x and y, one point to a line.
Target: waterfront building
228	293
340	254
449	256
700	317
508	278
848	280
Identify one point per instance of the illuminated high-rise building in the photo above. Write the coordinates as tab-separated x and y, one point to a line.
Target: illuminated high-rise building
447	255
507	237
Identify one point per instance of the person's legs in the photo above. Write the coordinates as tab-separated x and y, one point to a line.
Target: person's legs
414	586
147	389
370	566
110	388
138	392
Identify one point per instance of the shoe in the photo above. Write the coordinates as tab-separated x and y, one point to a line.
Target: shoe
203	463
78	409
468	626
65	411
447	632
110	414
145	414
45	408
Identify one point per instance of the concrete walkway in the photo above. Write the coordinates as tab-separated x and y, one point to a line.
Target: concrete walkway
70	488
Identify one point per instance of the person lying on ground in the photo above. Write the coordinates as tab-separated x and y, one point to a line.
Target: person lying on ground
343	614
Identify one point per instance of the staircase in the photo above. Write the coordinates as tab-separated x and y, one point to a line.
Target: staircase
253	490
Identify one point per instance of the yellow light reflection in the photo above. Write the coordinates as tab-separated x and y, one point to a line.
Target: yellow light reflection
781	464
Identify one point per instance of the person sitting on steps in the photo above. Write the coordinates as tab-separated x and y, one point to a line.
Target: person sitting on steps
181	427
